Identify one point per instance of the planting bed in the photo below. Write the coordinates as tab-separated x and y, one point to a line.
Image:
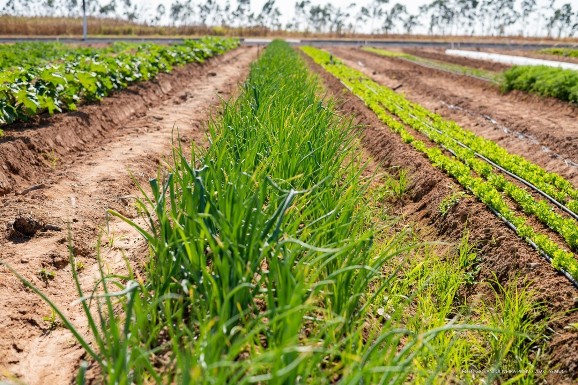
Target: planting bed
265	258
541	130
386	146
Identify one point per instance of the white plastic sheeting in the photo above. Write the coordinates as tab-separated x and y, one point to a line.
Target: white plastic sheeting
508	59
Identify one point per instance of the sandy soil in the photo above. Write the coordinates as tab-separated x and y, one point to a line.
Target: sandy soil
545	131
79	165
503	255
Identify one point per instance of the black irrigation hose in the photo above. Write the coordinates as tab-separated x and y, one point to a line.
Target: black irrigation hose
510	224
497	214
531	243
554	201
522	180
519	179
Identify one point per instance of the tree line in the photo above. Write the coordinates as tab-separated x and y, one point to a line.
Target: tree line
438	17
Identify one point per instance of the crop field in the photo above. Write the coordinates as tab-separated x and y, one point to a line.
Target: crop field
215	213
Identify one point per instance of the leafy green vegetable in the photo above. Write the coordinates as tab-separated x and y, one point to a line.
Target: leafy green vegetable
58	86
542	80
396	111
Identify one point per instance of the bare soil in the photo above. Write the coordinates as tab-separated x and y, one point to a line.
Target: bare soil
544	131
504	257
64	172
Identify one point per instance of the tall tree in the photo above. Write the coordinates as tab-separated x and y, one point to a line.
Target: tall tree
338	17
410	23
396	14
160	13
528	8
182	12
318	17
505	15
374	11
561	19
269	15
242	13
301	10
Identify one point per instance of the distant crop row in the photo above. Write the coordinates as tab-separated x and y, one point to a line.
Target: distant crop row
542	80
475	175
58	86
31	54
546	81
437	64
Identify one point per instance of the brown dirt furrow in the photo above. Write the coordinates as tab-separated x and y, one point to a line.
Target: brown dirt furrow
132	132
29	150
544	131
439	54
504	257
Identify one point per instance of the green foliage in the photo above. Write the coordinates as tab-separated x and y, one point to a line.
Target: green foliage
542	80
34	54
450	201
386	53
390	106
58	86
264	269
397	186
31	54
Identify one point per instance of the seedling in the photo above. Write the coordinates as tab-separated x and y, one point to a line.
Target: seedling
450	202
52	320
52	158
46	275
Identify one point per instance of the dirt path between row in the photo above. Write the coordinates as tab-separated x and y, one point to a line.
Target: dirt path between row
545	131
133	133
503	256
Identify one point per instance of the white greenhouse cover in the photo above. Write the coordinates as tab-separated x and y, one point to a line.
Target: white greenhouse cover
508	59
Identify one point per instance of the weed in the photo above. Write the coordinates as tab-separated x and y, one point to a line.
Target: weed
396	187
468	259
52	320
52	158
79	265
572	326
450	202
46	275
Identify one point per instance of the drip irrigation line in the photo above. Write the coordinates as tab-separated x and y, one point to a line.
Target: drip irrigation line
518	178
529	184
496	213
512	132
547	257
531	243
